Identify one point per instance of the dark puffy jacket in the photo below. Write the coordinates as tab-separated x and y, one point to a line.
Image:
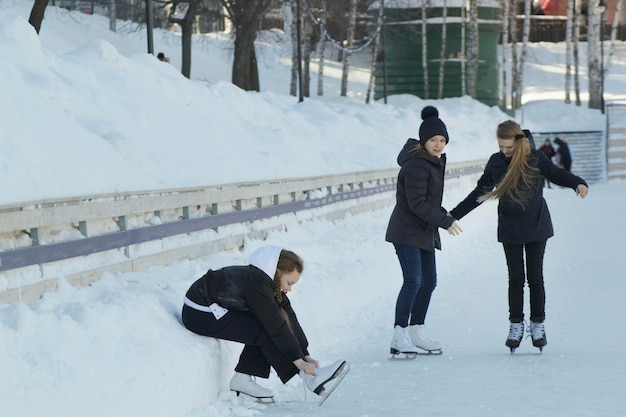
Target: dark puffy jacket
418	213
249	289
516	223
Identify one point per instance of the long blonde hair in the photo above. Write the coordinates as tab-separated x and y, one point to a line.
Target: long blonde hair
519	178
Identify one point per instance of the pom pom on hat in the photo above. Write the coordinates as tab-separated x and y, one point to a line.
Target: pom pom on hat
432	125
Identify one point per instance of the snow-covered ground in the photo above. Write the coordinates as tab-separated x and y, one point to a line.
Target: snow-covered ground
86	111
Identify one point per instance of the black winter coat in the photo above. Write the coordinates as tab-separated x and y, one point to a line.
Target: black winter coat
418	213
516	223
249	289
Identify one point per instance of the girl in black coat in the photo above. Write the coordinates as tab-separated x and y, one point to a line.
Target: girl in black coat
524	223
414	230
249	304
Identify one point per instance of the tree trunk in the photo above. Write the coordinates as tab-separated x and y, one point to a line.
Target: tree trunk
425	85
569	25
113	17
514	57
37	13
187	36
472	48
442	56
522	61
186	28
575	56
322	52
614	26
347	54
245	16
464	24
370	85
291	15
506	15
308	44
593	56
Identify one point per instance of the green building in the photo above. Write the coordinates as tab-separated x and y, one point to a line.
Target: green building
399	69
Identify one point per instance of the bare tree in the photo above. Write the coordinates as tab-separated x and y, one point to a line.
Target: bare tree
322	50
575	54
381	16
571	4
594	71
183	13
614	26
245	16
506	16
347	54
472	48
425	49
290	12
36	14
442	56
519	81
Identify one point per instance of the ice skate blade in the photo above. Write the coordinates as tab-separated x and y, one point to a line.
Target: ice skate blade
338	376
407	356
261	400
430	352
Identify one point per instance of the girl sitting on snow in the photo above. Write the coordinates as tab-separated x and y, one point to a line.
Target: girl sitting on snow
249	304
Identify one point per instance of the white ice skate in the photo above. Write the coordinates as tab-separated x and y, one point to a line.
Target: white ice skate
538	335
516	333
326	379
416	333
401	344
246	384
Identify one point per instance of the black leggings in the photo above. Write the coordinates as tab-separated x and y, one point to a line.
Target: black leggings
534	274
259	352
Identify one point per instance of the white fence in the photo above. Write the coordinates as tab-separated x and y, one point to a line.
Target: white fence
78	239
616	139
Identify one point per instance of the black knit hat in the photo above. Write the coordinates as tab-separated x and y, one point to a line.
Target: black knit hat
432	125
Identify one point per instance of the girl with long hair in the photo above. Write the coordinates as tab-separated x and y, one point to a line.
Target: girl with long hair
515	177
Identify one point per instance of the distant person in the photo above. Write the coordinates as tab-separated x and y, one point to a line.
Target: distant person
547	149
563	154
524	224
161	57
248	304
414	231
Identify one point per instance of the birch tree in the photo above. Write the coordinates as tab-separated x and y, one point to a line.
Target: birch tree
514	55
381	16
347	54
614	25
569	25
519	84
472	47
425	49
321	50
290	11
442	56
594	72
506	16
576	49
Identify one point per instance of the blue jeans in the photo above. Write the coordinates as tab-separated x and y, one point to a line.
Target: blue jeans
420	279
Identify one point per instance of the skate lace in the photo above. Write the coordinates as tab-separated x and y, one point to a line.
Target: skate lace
537	330
516	331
